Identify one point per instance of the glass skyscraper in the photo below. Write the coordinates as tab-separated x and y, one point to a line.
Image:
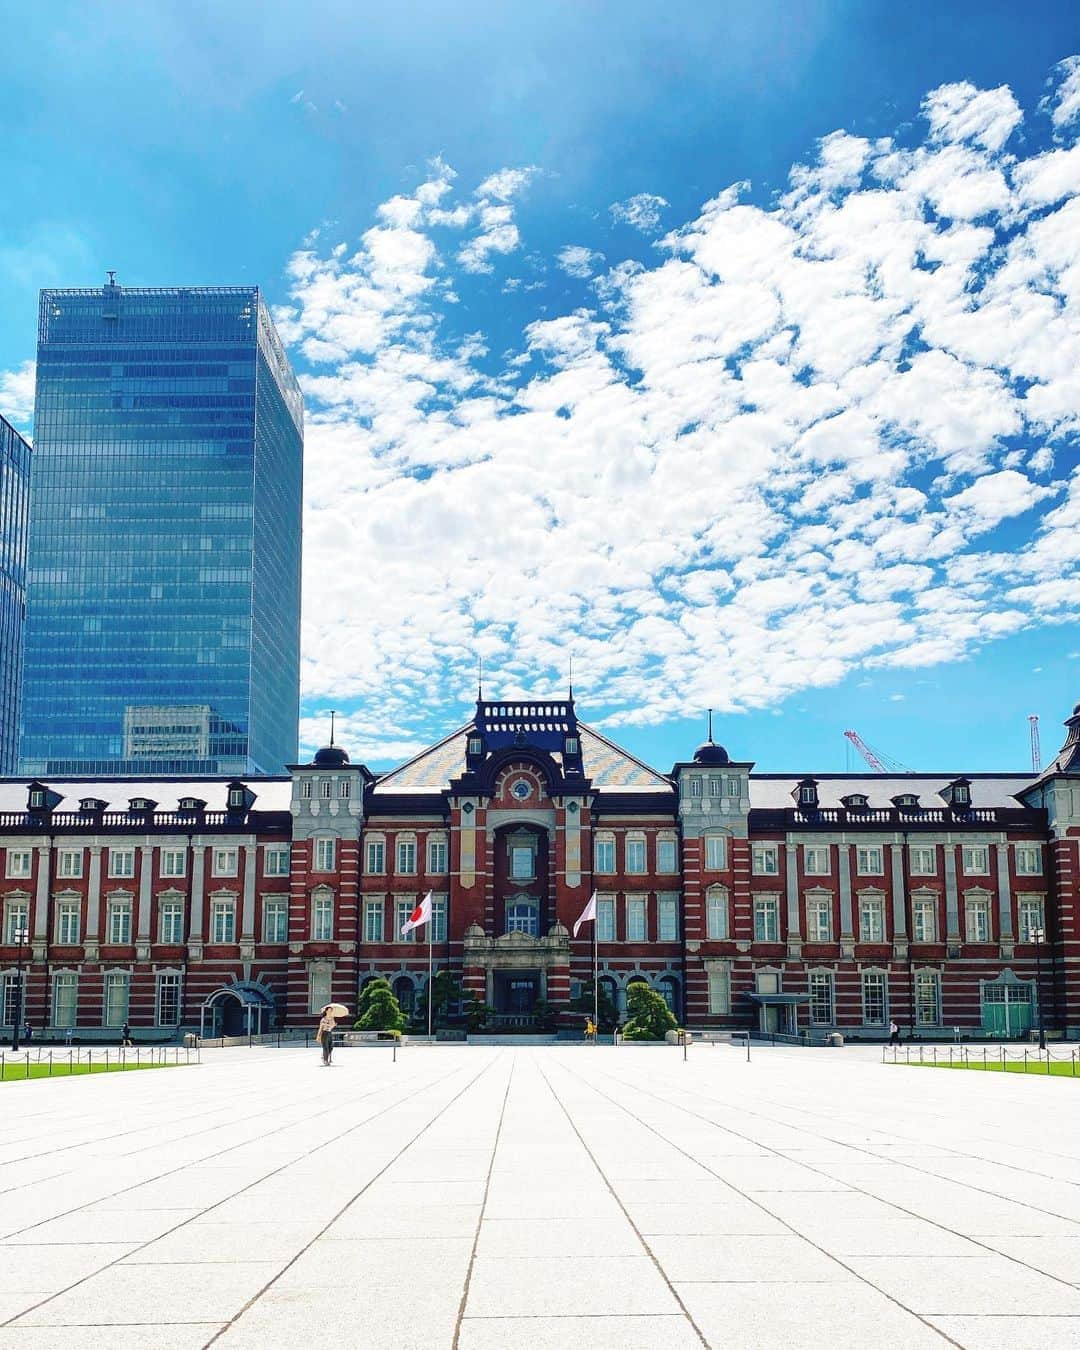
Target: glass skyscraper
14	489
163	591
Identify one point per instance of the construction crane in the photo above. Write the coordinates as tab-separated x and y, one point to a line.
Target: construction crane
879	762
1036	752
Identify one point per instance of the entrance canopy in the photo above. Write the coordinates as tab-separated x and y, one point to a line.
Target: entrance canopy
240	1009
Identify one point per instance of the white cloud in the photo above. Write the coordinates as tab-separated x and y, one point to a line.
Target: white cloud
17	394
578	261
1064	103
641	211
810	438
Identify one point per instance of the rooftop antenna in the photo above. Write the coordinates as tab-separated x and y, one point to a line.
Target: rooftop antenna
710	727
1036	752
333	714
112	278
479	679
571	683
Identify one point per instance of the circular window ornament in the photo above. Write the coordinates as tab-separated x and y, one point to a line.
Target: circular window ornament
521	789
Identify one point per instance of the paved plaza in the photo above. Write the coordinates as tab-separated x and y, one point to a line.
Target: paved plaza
487	1198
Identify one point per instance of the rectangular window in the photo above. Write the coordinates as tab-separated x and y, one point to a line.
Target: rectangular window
16	922
635	856
734	788
716	786
819	919
1029	860
70	863
604	855
168	1000
1032	917
923	860
326	789
715	852
376	857
121	862
67	922
821	998
344	789
605	918
716	915
976	860
20	862
117	984
173	862
874	1003
927	999
223	921
695	787
120	921
635	918
406	857
224	862
719	992
667	907
436	856
9	984
765	860
522	867
869	860
816	860
171	921
305	789
438	920
276	919
322	918
324	855
319	988
924	920
373	920
666	855
402	910
65	999
871	919
766	919
276	862
977	913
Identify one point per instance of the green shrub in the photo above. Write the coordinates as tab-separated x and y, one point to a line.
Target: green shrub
382	1011
650	1016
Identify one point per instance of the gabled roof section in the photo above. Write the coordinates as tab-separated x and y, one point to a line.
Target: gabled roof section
772	791
605	763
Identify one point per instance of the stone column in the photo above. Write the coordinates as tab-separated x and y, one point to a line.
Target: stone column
93	902
1005	923
247	923
952	899
794	920
146	874
198	870
899	897
39	926
843	855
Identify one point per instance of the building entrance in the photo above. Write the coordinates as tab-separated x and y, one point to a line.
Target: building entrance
514	993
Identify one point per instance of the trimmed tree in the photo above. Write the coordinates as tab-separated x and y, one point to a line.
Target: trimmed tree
650	1016
378	1008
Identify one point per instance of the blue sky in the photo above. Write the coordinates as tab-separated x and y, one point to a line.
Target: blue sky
803	449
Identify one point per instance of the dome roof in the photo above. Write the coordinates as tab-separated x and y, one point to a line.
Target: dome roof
331	757
711	753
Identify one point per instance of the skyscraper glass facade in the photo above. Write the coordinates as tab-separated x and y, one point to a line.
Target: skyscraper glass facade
163	591
14	490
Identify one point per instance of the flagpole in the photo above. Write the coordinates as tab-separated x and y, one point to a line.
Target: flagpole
430	991
595	984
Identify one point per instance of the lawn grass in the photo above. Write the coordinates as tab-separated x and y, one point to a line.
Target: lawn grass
1063	1068
16	1071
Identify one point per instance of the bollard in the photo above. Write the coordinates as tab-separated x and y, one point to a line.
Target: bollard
984	1057
1048	1063
393	1042
1025	1061
28	1063
50	1063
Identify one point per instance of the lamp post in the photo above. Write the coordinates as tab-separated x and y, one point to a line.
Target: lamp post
20	934
1037	936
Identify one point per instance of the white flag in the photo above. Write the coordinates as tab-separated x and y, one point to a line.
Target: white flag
589	912
420	916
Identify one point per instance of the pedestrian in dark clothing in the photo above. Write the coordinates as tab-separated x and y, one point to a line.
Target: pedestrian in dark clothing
27	1032
125	1034
326	1034
894	1034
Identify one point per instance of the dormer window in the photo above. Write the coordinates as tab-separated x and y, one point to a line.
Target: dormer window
571	745
37	799
476	745
807	793
961	795
958	793
189	805
89	805
856	801
236	798
141	805
906	801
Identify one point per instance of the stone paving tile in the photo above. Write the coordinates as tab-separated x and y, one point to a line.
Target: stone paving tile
201	1241
557	1237
1030	1332
369	1217
721	1217
92	1226
968	1284
585	1286
742	1259
669	1332
1059	1256
152	1336
47	1269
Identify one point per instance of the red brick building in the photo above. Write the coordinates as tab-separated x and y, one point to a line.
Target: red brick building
781	902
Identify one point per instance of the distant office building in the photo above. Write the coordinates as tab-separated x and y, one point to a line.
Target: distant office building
14	486
163	596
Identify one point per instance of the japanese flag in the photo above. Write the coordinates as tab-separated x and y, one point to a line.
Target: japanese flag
420	916
589	912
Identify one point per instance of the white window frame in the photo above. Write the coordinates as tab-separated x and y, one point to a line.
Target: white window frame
320	987
765	860
20	864
171	908
167	979
817	907
111	1015
439	909
819	855
68	922
604	854
275	907
716	786
872	918
305	789
65	1011
405	855
975	859
695	786
344	790
438	855
978	923
173	863
719	991
277	860
69	864
121	864
605	919
322	916
323	853
375	851
1033	919
637	918
326	790
224	861
879	979
667	854
924	907
715	852
16	918
766	918
374	919
1029	854
927	979
222	920
717	914
817	980
667	918
917	861
636	854
869	860
402	910
119	919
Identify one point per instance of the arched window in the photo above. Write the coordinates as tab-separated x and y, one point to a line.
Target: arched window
668	987
405	993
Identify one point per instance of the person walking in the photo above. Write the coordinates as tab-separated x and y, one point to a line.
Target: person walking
125	1034
27	1031
325	1034
894	1034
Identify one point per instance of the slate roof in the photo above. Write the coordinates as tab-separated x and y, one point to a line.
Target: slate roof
605	763
772	791
271	794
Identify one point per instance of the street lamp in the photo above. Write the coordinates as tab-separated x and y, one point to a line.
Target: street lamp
20	935
1038	936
